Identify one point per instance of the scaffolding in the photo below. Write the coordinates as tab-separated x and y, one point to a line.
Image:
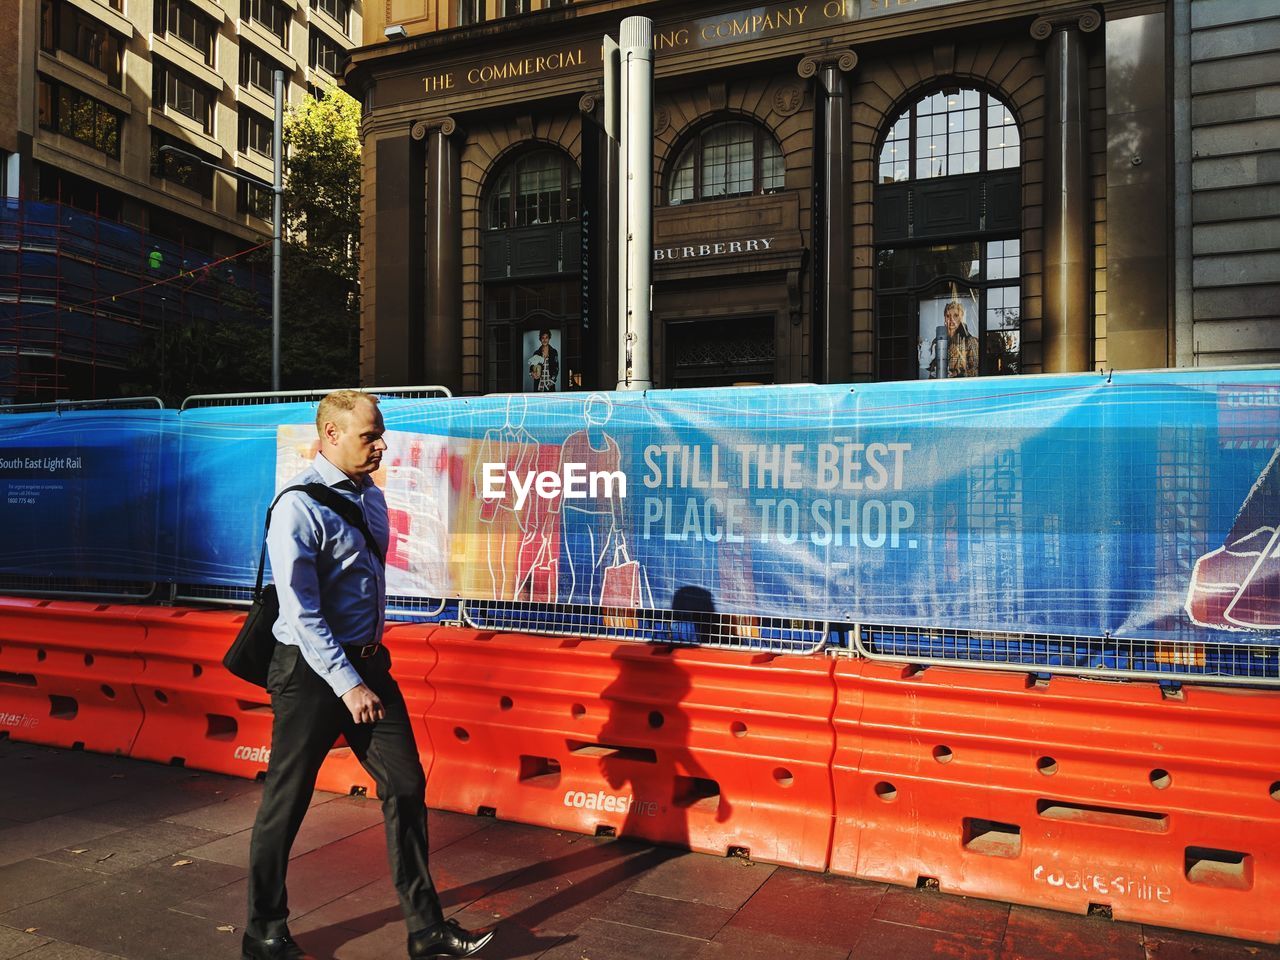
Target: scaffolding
81	294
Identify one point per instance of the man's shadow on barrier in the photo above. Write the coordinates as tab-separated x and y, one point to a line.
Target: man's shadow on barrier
645	754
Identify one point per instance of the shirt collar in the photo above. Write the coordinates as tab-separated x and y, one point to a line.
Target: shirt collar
334	477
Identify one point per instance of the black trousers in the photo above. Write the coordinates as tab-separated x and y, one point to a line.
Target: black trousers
308	719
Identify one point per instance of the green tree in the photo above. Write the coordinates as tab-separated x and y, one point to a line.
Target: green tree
320	312
322	179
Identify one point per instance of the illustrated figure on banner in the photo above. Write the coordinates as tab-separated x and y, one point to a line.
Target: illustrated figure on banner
599	568
538	557
504	527
1237	586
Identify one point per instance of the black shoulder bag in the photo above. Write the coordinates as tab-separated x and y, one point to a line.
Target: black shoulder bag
251	650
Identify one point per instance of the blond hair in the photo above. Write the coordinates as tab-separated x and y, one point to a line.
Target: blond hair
335	407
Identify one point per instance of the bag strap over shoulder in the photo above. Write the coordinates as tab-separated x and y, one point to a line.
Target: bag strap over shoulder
336	502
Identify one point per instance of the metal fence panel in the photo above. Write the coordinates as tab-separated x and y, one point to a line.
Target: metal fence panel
1110	657
299	396
705	629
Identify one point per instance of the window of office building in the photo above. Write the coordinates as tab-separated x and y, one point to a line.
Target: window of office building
338	10
728	159
256	69
948	223
77	115
253	199
68	29
471	11
323	52
540	187
255	133
271	15
180	168
181	20
182	93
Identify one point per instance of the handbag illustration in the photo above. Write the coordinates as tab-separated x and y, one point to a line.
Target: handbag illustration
249	656
620	592
544	578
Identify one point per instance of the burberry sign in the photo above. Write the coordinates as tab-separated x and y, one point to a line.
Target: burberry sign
693	251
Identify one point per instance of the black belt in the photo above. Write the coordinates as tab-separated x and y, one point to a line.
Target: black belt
364	652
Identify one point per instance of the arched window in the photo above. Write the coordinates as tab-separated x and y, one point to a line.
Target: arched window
729	159
947	229
950	133
538	187
531	249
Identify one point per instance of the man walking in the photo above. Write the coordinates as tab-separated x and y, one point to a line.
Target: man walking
330	675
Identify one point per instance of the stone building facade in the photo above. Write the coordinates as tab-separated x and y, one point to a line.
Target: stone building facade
829	179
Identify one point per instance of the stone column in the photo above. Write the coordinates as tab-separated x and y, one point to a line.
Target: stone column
392	302
1138	216
1068	247
600	255
442	263
833	215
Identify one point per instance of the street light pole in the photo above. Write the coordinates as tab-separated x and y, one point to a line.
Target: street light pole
277	215
277	228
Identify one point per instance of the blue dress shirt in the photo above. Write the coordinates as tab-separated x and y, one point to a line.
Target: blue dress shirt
332	588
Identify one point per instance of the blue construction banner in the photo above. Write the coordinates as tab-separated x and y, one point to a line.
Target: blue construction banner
1136	505
234	459
1140	505
83	494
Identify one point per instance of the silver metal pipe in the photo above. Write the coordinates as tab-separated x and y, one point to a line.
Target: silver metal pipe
635	188
277	227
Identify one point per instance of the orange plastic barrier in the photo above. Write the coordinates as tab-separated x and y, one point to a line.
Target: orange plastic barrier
67	672
1069	794
198	714
712	750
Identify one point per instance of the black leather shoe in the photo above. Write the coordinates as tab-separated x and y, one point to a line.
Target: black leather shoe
446	940
273	948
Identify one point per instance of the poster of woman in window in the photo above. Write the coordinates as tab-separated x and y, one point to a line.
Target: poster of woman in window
947	346
542	347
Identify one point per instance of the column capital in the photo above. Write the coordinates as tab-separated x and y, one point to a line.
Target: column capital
446	125
1084	19
844	60
588	102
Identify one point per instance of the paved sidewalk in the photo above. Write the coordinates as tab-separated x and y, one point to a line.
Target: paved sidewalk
102	857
